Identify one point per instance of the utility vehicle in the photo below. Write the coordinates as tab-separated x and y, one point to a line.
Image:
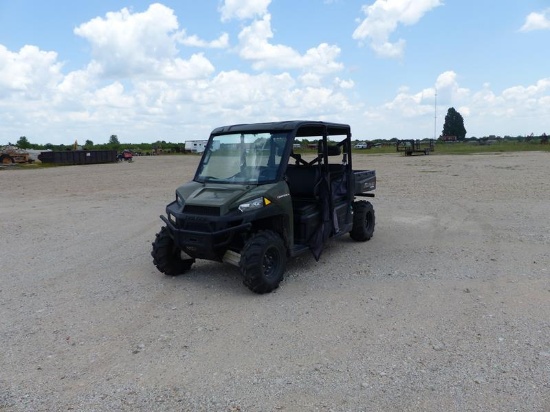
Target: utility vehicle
255	203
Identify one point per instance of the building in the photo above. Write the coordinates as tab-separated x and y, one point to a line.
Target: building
198	146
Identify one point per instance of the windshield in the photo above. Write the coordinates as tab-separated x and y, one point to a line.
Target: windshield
242	158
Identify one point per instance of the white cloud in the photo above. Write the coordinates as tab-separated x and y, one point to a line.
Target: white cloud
344	84
511	111
112	96
254	45
133	44
243	9
421	103
136	82
139	85
537	21
448	90
196	67
382	19
514	104
410	105
221	42
30	72
519	93
311	79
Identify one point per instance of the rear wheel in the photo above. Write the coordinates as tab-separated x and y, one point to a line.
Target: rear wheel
167	256
263	261
363	221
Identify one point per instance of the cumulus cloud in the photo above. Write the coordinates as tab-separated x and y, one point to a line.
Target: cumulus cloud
382	19
414	104
137	80
125	43
344	84
243	9
537	90
509	108
514	103
30	71
410	105
254	45
537	21
448	90
221	42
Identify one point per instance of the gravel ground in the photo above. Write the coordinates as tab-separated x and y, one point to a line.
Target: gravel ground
446	308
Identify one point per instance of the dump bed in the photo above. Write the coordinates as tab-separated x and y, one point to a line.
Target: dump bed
363	181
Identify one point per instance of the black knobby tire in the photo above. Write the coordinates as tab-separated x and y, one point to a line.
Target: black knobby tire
263	261
363	221
167	257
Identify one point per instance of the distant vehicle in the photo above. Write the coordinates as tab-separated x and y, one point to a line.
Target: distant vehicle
411	146
126	155
13	154
361	146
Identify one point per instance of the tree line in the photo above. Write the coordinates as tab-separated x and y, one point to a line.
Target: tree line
112	144
453	129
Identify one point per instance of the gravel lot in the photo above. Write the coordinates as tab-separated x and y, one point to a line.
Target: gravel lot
446	308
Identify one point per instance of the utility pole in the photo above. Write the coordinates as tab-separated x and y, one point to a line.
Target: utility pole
435	114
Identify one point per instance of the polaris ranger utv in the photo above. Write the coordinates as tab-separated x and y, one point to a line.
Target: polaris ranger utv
254	203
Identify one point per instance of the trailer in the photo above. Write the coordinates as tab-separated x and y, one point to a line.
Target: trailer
411	146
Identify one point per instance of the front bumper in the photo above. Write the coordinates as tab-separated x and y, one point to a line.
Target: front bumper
203	236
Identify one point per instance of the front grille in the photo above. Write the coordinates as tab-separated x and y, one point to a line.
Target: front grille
201	210
197	227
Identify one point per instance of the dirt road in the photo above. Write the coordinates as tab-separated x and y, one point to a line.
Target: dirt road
446	308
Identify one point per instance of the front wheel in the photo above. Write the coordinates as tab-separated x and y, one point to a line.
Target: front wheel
6	159
167	256
263	261
363	221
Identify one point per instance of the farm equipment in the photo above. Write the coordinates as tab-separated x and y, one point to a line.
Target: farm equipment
125	156
13	154
254	203
415	146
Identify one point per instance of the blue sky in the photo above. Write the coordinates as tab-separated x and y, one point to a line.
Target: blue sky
174	70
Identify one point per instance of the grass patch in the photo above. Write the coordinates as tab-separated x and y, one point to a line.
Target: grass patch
466	148
502	147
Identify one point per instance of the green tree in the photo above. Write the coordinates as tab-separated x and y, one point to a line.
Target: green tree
23	143
89	143
113	144
454	125
113	140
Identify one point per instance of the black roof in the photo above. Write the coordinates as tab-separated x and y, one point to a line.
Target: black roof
302	127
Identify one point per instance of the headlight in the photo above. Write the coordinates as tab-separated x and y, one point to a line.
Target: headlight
254	204
179	199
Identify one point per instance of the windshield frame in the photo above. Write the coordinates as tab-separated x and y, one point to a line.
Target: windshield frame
244	157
